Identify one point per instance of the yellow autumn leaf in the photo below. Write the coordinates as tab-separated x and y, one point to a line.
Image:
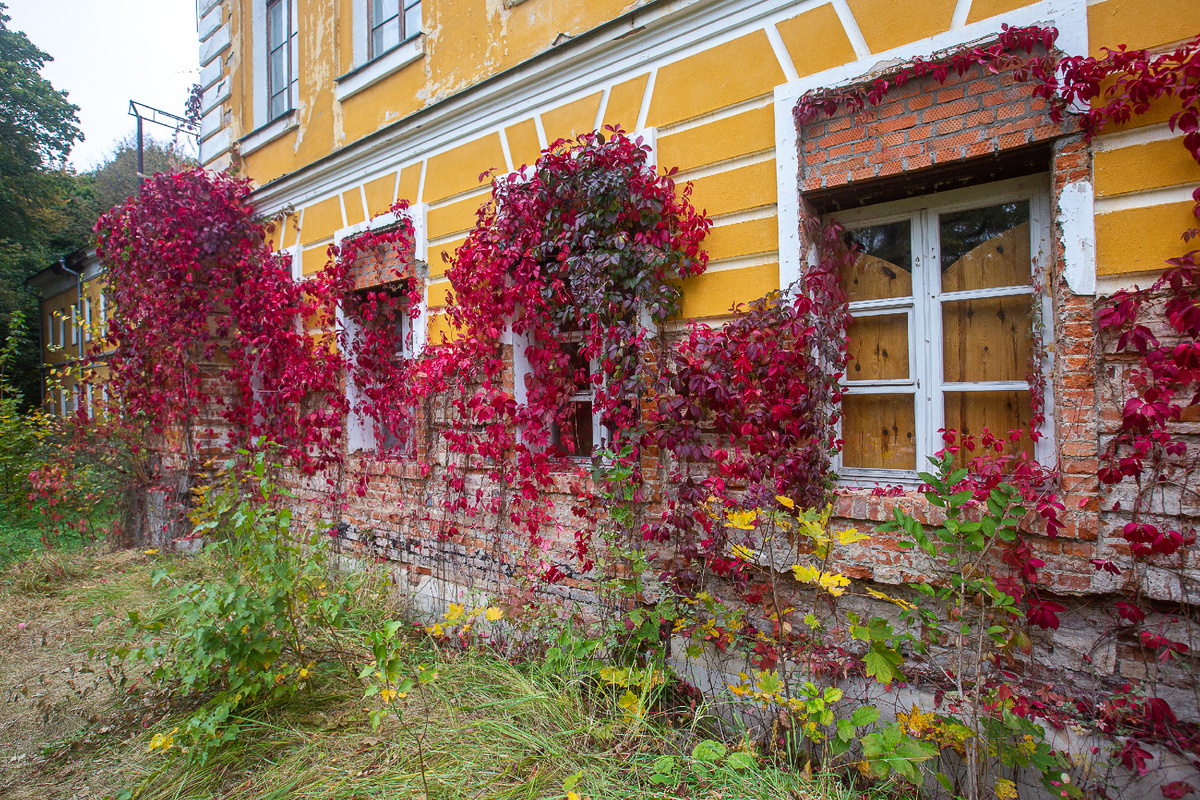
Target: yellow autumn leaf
850	536
572	796
454	613
744	553
786	502
493	614
742	520
1006	789
628	701
881	596
151	552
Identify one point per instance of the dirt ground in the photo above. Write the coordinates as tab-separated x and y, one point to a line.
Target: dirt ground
60	736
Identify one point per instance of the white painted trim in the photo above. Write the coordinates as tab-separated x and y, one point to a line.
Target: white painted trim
209	23
211	74
962	10
1077	219
716	116
1144	199
541	131
258	64
360	35
215	45
215	95
853	32
384	66
270	132
781	54
647	95
728	165
1135	136
504	148
749	215
600	110
925	310
1068	16
213	147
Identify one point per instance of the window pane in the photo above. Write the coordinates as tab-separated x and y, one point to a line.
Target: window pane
275	25
879	431
986	339
878	348
412	21
387	36
985	247
574	437
998	412
380	10
278	70
884	266
279	105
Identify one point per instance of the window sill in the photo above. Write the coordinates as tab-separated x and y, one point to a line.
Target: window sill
268	133
379	68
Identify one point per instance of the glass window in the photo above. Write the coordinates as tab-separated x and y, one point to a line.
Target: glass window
282	52
942	311
392	22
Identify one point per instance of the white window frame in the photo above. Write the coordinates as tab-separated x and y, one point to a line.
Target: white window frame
924	307
87	318
74	321
266	127
360	429
370	68
521	366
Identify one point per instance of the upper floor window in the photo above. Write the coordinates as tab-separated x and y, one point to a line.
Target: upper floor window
282	57
943	311
392	22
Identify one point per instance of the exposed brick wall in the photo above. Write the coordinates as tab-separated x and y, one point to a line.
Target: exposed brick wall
920	125
380	266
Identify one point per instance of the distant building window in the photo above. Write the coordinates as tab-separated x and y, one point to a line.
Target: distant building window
392	22
282	74
87	319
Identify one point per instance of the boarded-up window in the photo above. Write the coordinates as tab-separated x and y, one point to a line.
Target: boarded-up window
943	311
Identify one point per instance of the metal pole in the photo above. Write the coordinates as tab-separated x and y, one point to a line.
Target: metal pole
141	164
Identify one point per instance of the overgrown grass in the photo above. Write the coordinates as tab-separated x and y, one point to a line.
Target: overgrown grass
485	728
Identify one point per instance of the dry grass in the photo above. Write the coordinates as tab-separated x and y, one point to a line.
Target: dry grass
74	727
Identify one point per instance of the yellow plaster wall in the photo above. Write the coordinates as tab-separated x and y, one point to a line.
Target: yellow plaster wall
741	134
1148	166
736	190
721	76
410	183
352	202
314	259
1141	239
891	23
523	144
458	170
439	294
985	9
384	103
816	40
437	263
1139	24
321	220
572	120
380	194
743	238
625	102
713	294
454	217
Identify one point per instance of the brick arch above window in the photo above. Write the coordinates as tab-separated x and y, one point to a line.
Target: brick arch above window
927	136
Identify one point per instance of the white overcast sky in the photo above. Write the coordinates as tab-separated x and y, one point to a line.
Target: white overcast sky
108	52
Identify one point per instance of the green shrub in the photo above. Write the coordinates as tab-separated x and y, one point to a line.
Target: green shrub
245	636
